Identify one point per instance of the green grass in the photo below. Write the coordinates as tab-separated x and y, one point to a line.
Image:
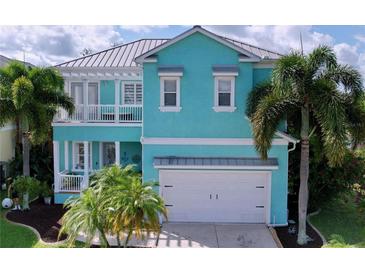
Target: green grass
12	235
341	222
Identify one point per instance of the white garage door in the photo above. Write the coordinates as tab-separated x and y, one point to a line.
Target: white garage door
216	196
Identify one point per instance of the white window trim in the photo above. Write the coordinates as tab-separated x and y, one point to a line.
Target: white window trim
74	143
164	108
135	93
230	108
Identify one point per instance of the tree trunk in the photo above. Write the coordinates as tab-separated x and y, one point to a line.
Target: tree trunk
18	138
304	174
26	151
103	238
128	238
118	240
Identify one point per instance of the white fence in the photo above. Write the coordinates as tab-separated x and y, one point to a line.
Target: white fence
103	113
70	183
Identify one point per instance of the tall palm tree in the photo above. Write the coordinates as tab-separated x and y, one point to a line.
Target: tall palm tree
84	216
31	95
318	94
133	206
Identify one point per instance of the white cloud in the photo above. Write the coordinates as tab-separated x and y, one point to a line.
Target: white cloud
45	45
360	37
141	28
277	38
285	38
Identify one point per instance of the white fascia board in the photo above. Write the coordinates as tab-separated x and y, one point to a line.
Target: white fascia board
206	141
286	136
111	124
217	167
140	59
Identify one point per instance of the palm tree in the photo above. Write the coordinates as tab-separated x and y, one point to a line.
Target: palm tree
133	207
31	95
84	216
318	95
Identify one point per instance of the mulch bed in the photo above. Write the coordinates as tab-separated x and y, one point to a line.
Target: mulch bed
290	240
44	218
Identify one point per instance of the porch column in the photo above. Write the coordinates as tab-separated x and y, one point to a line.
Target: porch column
117	153
56	164
86	99
86	164
67	168
117	99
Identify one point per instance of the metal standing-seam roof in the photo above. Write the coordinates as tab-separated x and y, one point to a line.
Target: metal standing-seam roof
263	53
124	55
120	56
214	161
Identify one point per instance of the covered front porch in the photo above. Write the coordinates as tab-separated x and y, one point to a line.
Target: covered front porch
76	161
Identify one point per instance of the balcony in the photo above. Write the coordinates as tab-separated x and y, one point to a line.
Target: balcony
102	114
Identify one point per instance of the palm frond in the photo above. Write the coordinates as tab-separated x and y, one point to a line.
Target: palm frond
289	72
348	77
330	113
254	97
322	57
270	111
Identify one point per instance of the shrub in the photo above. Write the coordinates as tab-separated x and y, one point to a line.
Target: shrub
45	190
327	182
26	184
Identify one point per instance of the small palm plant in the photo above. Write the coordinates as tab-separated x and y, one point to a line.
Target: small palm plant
116	203
135	207
84	217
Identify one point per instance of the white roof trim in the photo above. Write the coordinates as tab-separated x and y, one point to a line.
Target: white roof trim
286	137
206	141
252	57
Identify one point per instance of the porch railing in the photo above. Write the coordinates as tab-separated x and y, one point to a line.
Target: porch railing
70	183
102	113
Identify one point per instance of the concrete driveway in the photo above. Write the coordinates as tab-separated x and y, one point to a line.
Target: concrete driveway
215	235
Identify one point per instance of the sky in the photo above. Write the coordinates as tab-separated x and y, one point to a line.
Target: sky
51	45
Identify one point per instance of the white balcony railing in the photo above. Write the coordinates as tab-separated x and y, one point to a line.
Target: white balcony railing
102	113
70	183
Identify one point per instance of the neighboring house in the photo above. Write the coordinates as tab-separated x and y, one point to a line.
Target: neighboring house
176	109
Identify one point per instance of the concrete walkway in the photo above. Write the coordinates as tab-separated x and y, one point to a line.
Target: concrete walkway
215	235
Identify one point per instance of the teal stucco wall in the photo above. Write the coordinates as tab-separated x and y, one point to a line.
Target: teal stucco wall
97	133
197	54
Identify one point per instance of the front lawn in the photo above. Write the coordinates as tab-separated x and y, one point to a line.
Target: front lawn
341	222
12	235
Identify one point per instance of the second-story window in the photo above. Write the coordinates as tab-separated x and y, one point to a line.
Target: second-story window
132	94
224	93
170	94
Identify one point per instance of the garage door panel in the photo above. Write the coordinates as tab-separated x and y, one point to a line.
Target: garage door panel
215	196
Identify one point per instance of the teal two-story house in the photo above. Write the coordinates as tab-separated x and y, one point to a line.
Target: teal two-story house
176	109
